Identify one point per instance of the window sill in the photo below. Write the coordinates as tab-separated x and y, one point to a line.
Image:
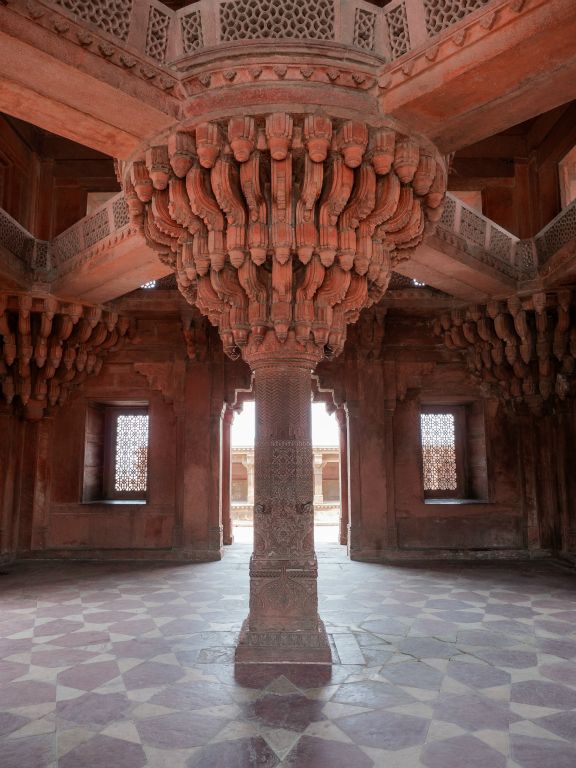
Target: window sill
134	502
456	501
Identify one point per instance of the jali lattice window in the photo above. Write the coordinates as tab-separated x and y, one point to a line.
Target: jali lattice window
442	452
131	455
115	453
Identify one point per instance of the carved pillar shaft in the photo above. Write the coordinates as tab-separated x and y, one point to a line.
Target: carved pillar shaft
283	623
225	474
250	472
344	517
318	486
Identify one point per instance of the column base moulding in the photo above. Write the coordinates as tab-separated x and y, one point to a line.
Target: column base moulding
297	647
447	555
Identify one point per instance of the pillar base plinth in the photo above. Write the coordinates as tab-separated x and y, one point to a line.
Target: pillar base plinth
298	647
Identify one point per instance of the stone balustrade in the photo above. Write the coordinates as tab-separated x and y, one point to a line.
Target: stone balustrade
482	237
558	233
109	220
487	241
32	254
149	27
411	23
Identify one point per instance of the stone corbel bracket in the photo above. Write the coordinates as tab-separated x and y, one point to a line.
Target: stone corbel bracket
523	348
49	347
285	223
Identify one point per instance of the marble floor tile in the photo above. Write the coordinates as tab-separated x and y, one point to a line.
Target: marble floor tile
131	665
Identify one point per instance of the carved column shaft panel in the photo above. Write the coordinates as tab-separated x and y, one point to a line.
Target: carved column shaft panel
283	622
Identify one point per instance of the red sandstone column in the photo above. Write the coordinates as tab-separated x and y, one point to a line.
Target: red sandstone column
226	461
344	517
283	623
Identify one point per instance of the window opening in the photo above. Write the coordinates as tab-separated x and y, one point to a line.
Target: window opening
115	453
439	454
131	455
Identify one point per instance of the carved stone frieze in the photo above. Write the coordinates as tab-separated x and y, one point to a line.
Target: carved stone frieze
218	77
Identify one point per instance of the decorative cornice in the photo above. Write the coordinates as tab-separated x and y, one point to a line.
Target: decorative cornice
97	43
438	48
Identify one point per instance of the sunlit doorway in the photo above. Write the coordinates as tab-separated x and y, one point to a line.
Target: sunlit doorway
326	451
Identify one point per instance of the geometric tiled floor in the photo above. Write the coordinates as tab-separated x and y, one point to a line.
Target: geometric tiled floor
443	666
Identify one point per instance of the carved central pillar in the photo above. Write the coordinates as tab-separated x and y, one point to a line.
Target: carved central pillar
281	228
283	622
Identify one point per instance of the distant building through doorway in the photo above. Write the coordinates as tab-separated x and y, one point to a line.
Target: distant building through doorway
326	451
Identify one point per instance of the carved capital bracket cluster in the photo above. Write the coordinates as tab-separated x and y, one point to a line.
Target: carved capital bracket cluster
524	349
285	223
49	347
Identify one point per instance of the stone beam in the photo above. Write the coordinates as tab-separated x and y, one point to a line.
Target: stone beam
112	271
14	274
468	256
483	73
101	258
80	90
443	263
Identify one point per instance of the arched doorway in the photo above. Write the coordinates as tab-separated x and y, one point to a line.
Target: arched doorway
327	473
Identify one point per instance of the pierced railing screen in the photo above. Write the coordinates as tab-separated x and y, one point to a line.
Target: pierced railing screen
131	469
439	451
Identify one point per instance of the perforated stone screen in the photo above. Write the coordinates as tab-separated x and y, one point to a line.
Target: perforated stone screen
131	460
398	31
443	13
112	16
364	29
260	19
439	451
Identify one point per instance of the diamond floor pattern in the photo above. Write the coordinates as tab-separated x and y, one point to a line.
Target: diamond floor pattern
443	666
